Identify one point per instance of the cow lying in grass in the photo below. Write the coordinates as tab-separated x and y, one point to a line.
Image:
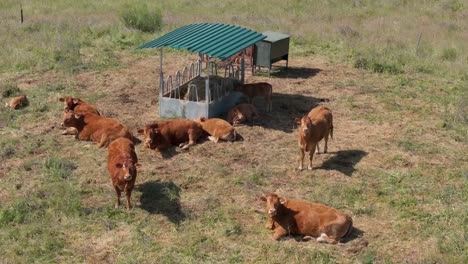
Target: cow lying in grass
217	129
252	90
18	102
241	113
162	134
95	128
315	126
298	217
79	107
122	163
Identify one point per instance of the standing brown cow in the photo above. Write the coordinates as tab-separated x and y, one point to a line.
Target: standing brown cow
95	128
315	126
251	90
122	163
298	217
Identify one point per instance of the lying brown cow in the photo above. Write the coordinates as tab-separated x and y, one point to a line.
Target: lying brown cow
217	129
163	134
122	163
298	217
257	89
18	102
241	113
95	128
79	107
315	126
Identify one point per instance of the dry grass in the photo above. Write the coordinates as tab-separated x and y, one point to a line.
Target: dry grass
397	163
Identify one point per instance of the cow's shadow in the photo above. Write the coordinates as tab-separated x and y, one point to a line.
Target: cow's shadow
294	72
162	198
285	108
344	161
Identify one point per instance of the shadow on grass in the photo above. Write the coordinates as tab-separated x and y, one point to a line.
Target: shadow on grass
162	198
290	72
344	161
286	107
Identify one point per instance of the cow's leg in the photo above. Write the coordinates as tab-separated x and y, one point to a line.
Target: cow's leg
318	148
192	139
118	193
104	141
301	158
214	139
128	193
70	131
279	232
311	155
270	224
323	238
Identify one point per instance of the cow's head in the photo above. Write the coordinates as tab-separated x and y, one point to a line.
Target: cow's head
128	168
238	118
274	203
69	102
70	119
304	123
200	119
152	136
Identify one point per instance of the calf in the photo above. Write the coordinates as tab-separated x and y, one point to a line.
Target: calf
241	113
18	102
122	163
315	126
162	134
298	217
95	128
77	105
257	89
217	129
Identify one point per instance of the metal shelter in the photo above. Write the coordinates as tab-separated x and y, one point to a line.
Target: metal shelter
177	97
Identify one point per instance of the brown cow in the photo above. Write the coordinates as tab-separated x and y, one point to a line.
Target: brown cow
298	217
78	106
95	128
315	126
18	102
163	134
217	129
122	163
241	113
252	90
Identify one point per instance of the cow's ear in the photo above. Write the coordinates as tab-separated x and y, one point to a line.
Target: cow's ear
202	119
140	131
119	165
75	101
297	120
61	99
283	201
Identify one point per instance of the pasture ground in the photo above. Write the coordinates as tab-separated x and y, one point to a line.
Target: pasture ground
397	170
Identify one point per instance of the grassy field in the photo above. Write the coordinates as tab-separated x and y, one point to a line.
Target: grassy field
397	164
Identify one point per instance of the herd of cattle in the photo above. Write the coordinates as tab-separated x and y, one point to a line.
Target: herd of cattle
284	216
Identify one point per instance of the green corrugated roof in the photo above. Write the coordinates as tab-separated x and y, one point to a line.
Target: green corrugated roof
217	40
